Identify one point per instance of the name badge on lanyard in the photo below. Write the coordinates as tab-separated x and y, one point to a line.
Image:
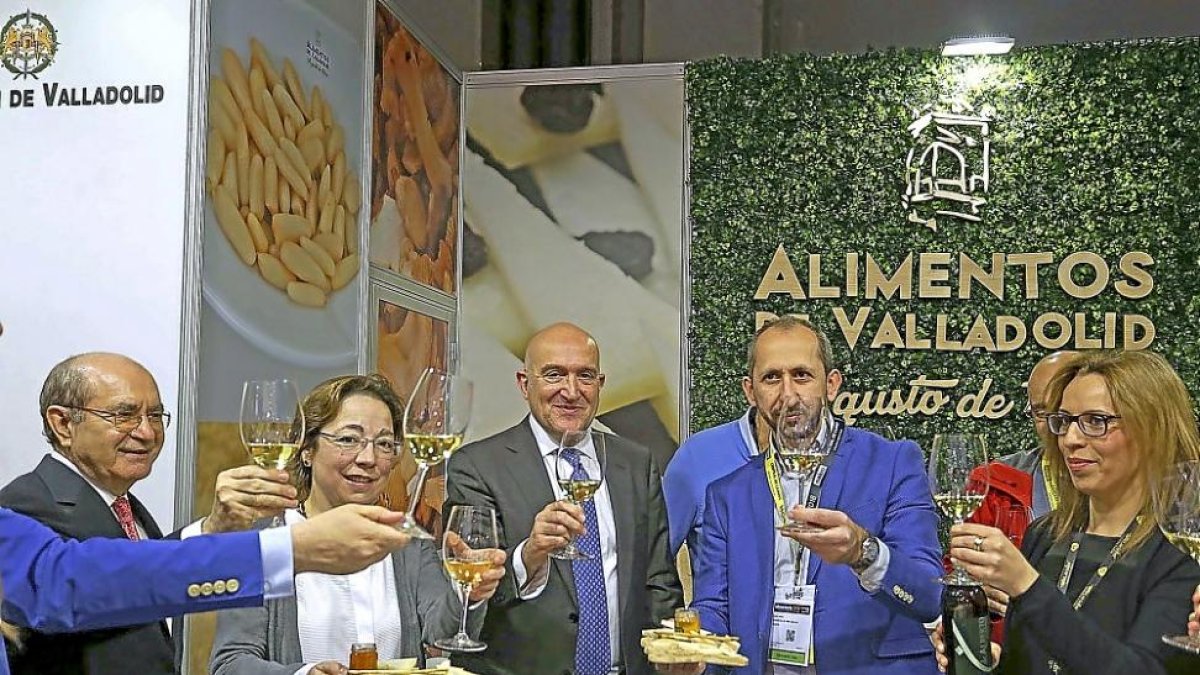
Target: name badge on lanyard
792	625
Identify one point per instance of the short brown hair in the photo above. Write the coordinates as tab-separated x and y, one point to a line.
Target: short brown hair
792	322
323	404
1156	416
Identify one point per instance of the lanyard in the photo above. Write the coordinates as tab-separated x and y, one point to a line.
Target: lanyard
1118	549
1051	482
833	443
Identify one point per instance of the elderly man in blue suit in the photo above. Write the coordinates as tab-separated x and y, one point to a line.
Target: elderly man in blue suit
832	569
52	584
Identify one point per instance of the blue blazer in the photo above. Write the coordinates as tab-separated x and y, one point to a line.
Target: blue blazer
52	584
882	486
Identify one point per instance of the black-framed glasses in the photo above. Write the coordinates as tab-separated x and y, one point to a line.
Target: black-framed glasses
385	447
128	421
1090	424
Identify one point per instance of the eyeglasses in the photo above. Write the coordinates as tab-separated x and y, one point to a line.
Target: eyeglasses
1090	424
585	379
1033	413
347	444
126	422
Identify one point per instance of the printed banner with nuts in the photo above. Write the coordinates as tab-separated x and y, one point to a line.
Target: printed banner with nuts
414	163
572	212
282	211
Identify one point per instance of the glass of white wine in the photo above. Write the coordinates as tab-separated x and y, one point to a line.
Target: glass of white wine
579	475
272	424
1177	508
470	530
435	421
796	448
955	491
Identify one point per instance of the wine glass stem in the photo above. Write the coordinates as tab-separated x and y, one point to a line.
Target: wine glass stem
466	605
415	498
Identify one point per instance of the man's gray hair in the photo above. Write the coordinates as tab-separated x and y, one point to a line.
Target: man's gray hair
792	322
68	385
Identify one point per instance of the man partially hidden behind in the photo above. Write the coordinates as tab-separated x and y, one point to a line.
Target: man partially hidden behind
585	616
106	425
1044	498
846	595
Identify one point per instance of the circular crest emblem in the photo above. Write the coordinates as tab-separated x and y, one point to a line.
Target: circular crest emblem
28	43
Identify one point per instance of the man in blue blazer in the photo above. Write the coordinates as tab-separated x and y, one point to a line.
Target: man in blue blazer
864	571
51	584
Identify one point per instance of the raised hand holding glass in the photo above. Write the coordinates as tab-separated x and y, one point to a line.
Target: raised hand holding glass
271	424
470	532
956	491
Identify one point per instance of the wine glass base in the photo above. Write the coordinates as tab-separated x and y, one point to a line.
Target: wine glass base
569	553
958	579
412	529
1184	642
799	528
460	643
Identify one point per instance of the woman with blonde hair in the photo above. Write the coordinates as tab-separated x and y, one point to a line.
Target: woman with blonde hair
351	444
1095	584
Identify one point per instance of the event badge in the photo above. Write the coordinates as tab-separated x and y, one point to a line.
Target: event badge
792	625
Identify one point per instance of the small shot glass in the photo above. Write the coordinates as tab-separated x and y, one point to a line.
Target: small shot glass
687	621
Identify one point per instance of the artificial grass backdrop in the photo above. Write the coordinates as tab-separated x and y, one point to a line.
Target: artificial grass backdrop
1094	148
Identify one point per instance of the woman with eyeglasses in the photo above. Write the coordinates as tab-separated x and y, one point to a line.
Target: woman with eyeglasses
351	445
1095	584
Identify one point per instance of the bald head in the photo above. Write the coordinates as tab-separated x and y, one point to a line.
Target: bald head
1039	380
1044	371
561	380
73	381
561	333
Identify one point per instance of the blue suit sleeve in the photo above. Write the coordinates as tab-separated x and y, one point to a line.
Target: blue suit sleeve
710	565
56	585
910	532
681	504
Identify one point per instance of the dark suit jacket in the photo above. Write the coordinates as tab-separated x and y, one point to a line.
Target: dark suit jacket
63	501
537	636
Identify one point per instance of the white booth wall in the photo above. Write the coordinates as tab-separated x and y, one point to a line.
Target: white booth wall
92	236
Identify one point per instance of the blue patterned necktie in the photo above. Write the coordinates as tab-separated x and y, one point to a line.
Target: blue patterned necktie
593	656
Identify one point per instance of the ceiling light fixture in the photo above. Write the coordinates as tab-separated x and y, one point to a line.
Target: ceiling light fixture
977	46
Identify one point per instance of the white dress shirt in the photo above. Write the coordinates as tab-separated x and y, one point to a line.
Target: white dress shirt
335	611
532	588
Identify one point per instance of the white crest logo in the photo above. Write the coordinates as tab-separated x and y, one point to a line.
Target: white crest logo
948	166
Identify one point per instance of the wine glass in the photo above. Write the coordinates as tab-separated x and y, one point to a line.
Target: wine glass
435	421
469	532
272	424
955	491
796	448
1013	520
579	476
1177	509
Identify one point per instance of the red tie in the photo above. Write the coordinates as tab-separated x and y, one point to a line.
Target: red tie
124	513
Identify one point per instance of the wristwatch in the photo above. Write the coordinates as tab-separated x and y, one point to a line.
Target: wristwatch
870	553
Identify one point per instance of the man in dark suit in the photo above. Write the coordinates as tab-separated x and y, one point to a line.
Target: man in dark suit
585	616
105	422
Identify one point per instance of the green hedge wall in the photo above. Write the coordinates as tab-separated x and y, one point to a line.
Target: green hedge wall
1094	148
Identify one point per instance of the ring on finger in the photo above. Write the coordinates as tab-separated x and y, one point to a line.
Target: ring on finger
978	544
